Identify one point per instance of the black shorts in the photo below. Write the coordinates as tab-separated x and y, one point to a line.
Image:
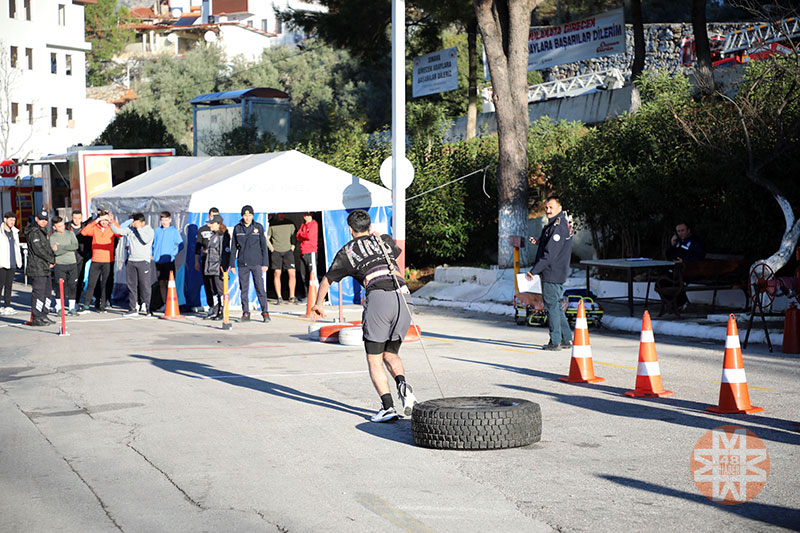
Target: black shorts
377	348
282	260
164	269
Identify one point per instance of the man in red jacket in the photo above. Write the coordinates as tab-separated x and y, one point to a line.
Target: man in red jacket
102	257
308	236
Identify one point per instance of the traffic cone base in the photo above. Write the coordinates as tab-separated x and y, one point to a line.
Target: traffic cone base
581	369
172	309
648	372
734	397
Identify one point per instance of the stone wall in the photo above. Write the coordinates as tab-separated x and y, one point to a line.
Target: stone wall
663	50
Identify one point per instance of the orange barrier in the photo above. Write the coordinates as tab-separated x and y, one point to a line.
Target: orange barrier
413	335
331	333
581	369
733	394
172	310
311	297
648	373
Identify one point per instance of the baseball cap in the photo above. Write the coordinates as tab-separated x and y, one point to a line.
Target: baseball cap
247	209
42	215
216	219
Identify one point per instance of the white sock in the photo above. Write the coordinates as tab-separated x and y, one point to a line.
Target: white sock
72	304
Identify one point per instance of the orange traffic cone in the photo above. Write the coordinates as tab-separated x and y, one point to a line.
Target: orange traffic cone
311	297
581	369
172	309
733	394
648	374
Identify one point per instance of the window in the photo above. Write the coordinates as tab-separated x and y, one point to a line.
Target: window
53	63
29	57
30	113
264	25
14	112
68	67
249	23
13	57
278	26
27	4
12	8
62	15
70	124
54	116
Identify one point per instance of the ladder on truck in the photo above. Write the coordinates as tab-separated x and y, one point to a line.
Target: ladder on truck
762	34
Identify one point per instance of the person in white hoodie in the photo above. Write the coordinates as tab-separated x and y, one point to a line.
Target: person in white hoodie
10	260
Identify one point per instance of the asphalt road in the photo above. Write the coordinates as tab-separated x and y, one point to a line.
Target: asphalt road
139	424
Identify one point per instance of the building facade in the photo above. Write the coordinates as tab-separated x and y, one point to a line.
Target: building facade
43	105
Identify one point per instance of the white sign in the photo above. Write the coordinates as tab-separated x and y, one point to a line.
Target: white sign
405	173
435	73
597	36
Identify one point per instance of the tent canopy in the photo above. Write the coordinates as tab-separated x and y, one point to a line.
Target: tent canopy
276	182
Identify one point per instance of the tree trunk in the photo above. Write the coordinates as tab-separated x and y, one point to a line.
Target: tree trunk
637	21
472	78
703	70
504	26
792	232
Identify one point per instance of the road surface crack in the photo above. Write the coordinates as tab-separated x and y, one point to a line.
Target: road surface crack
168	478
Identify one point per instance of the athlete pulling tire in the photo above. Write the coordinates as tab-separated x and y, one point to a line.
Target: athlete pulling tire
476	423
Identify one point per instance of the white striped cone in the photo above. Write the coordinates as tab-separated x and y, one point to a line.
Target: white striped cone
581	369
733	394
648	372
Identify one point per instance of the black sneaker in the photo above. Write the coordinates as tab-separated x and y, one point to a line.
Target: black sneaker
279	301
47	320
566	344
245	317
38	323
551	347
292	300
131	312
265	317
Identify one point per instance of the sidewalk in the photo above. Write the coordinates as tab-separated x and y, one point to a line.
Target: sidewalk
492	291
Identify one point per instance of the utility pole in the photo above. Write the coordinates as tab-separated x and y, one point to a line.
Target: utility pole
399	128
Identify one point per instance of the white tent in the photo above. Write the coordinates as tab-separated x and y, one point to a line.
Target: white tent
284	182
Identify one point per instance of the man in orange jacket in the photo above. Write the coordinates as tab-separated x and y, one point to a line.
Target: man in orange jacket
102	257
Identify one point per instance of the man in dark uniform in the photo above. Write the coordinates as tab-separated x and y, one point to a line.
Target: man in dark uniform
251	257
684	246
41	260
386	316
552	264
200	254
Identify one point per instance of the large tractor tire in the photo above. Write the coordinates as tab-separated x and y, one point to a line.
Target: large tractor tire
476	423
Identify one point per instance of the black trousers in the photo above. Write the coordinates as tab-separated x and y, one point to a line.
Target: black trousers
244	286
42	287
207	283
140	283
69	273
81	267
97	272
215	284
6	284
305	270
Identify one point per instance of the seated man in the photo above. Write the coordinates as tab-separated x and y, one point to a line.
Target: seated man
684	247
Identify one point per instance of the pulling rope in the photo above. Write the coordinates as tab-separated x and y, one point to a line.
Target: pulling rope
484	169
392	270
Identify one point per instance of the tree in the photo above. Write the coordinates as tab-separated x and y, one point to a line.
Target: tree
703	71
132	130
105	29
759	130
504	25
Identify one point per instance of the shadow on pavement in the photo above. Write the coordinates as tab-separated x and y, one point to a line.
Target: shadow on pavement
494	342
398	431
769	514
674	411
194	370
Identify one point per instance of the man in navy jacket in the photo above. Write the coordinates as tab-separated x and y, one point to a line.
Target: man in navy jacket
552	264
251	257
